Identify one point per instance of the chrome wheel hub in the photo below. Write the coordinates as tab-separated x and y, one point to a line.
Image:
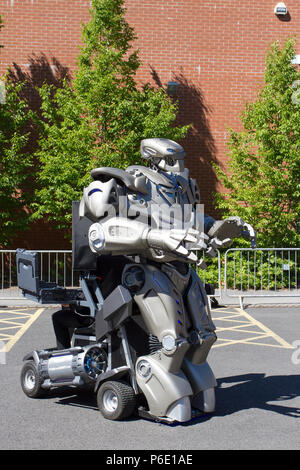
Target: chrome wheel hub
29	380
110	401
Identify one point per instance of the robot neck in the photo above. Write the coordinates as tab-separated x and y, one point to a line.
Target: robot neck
171	175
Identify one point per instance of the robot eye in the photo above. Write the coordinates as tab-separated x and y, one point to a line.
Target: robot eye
170	161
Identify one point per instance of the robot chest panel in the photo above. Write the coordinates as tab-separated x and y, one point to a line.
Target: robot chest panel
169	196
165	207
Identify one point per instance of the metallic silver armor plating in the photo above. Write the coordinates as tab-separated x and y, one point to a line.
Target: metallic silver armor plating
155	214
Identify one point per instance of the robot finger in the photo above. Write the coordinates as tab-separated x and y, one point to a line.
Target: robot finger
201	245
178	234
190	239
216	243
249	229
193	232
182	251
172	244
192	257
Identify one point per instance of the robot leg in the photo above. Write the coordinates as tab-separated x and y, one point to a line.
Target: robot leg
203	337
159	374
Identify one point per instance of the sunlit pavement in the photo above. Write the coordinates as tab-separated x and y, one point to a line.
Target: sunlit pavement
255	361
234	325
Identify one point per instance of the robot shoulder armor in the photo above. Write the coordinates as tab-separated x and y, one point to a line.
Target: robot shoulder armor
99	199
122	177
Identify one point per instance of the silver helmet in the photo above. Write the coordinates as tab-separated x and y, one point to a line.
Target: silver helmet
164	154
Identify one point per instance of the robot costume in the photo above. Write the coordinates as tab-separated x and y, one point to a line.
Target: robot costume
154	331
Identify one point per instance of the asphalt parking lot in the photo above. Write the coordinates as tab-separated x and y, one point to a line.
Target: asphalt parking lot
255	361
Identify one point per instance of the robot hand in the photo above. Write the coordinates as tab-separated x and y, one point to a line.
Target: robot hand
178	241
213	245
232	227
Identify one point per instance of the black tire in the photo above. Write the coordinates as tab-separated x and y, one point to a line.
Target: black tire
116	400
31	381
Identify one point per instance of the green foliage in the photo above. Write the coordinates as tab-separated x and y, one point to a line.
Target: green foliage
15	160
211	274
65	153
254	270
100	118
259	270
263	175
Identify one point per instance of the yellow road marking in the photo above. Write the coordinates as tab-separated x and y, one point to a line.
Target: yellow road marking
229	317
280	340
233	321
14	318
8	322
10	327
248	341
16	312
5	334
247	322
24	327
239	329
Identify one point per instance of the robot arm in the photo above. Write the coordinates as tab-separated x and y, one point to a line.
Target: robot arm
120	235
181	242
115	234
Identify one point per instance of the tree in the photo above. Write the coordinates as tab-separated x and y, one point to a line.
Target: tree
263	174
15	160
100	118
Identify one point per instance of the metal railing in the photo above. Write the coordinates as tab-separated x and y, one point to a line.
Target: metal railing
202	273
262	272
54	266
242	272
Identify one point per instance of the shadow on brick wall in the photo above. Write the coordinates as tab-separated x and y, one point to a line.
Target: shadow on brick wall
199	143
38	70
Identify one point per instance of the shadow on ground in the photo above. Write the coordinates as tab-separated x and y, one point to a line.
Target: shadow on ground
244	392
233	394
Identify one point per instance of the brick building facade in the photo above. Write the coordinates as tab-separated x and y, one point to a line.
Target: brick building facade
214	49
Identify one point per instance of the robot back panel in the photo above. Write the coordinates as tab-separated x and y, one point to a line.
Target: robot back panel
83	258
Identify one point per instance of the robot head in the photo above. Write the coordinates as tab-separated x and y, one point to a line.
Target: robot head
164	154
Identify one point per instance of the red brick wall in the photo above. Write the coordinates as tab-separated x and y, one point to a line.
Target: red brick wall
218	47
215	49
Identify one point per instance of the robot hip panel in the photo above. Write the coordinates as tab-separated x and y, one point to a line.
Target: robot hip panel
161	305
179	279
